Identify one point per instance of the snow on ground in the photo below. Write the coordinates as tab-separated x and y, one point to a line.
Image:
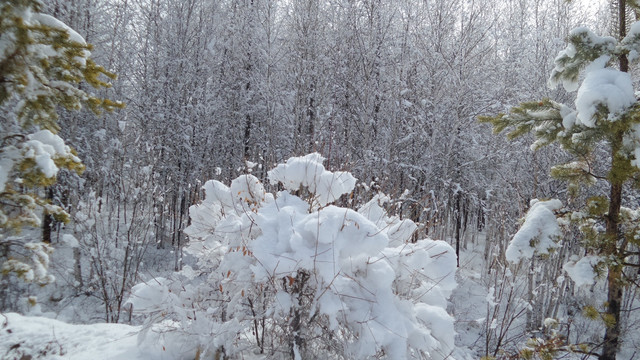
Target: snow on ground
469	301
32	337
43	338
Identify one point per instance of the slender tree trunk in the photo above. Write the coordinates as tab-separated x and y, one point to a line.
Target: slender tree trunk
47	220
178	248
77	273
4	278
458	223
614	300
613	235
622	32
247	135
614	278
531	299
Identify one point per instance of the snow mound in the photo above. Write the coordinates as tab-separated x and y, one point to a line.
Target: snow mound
23	337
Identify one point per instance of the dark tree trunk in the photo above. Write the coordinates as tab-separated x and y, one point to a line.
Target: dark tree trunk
458	223
614	278
47	221
613	234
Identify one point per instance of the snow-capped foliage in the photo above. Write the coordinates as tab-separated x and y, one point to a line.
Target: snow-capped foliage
631	42
605	93
538	234
583	271
44	148
36	271
604	87
303	279
584	46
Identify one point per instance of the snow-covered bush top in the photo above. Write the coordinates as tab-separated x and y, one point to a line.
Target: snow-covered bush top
308	171
325	281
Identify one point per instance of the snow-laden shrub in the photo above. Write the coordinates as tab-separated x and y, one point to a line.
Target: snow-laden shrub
298	278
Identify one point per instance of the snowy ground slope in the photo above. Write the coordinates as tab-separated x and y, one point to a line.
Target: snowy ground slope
469	301
42	338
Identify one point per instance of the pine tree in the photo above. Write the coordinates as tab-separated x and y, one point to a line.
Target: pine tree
607	116
43	65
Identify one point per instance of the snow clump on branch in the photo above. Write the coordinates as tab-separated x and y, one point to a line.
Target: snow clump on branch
538	233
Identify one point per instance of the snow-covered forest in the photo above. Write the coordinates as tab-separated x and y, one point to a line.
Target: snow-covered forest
306	179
